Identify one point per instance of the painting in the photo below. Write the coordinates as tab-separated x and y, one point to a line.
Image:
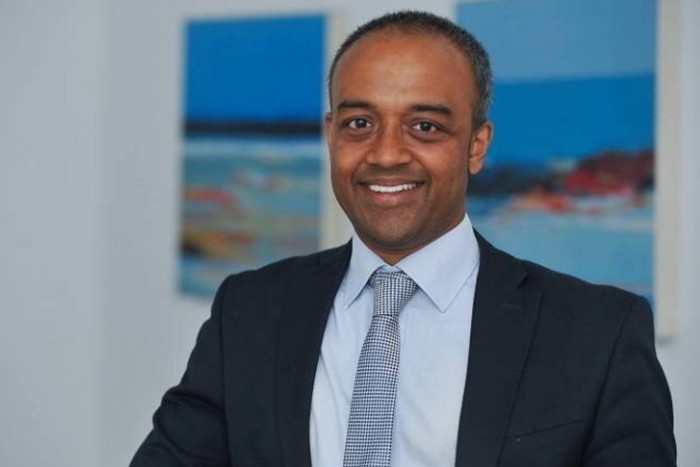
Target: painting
569	181
252	144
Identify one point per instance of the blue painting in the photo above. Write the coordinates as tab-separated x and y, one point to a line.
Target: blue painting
569	181
251	177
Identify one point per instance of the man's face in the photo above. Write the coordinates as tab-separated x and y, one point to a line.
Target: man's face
401	140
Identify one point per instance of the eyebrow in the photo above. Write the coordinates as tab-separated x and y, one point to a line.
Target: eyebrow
436	108
353	105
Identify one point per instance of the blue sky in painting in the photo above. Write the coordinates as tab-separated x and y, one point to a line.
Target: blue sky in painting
572	77
255	69
535	121
534	39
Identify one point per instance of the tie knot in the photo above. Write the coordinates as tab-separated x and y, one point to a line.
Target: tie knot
392	289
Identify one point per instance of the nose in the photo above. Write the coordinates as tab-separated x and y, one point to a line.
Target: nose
389	149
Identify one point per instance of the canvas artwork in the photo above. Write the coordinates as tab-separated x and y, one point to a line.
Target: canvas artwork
569	181
252	145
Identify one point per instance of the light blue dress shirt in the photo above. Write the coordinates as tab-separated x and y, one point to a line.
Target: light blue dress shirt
435	327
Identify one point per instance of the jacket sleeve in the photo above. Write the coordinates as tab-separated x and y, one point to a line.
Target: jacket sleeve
189	427
633	423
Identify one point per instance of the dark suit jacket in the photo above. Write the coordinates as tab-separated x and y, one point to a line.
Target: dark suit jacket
561	372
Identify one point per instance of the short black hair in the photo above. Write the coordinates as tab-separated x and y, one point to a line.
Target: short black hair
421	22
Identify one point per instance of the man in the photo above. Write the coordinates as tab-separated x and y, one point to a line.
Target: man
496	361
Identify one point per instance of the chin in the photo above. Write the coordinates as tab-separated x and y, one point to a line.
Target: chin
391	241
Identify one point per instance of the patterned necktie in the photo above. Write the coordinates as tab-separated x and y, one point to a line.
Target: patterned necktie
368	442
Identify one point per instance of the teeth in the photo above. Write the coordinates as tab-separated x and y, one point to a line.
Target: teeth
392	189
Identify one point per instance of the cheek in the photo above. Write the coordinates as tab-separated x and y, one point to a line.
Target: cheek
341	178
452	184
336	159
339	170
344	162
452	174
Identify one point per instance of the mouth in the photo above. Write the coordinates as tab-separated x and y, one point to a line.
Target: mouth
376	188
391	193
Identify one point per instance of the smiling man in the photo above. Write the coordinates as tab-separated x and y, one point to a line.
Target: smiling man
417	343
402	138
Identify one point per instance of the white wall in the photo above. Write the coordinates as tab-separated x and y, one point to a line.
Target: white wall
680	356
50	233
92	329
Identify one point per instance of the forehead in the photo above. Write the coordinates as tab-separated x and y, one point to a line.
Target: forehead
391	60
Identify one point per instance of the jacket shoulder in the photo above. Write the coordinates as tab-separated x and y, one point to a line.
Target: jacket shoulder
272	279
558	283
570	297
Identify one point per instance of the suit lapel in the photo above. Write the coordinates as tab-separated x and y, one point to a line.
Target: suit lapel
309	298
503	323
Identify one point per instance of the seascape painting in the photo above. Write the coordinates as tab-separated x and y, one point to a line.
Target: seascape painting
569	179
252	145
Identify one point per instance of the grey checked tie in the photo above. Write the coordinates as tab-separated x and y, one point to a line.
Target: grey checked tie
368	442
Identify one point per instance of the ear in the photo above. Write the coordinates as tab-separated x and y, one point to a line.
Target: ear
481	139
328	127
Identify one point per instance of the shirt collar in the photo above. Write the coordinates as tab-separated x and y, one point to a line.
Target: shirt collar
363	262
440	268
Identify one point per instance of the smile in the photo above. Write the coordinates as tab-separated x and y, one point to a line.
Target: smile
392	189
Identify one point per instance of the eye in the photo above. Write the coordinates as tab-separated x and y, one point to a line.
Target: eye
425	127
359	124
